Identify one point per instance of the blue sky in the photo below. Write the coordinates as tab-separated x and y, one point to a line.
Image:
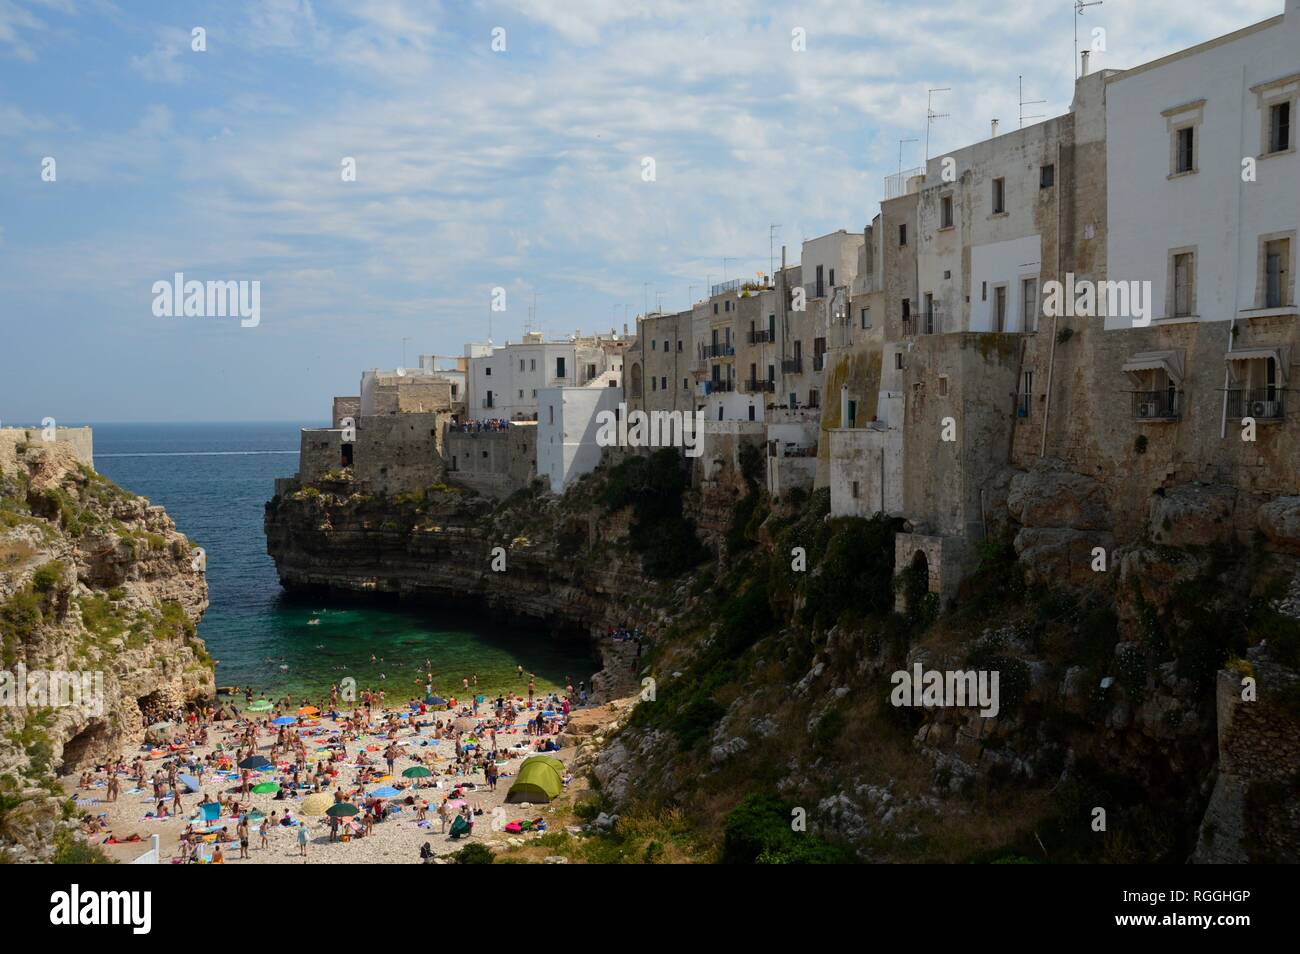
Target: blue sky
475	169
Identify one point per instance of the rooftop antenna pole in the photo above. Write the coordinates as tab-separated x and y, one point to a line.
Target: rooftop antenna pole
931	115
771	249
1079	7
1027	102
645	298
404	341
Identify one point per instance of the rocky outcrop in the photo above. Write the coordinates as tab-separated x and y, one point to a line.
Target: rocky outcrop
99	591
1049	496
1191	515
1279	521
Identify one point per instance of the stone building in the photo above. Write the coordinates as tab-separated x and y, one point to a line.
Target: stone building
496	463
504	381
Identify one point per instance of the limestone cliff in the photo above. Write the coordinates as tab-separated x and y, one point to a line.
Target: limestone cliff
95	583
770	677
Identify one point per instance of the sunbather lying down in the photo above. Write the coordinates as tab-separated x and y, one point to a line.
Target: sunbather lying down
114	840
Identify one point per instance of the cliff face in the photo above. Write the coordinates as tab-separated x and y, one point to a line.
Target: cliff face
96	587
774	681
561	564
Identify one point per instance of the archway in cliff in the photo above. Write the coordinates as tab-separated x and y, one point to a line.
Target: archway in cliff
86	748
919	569
151	707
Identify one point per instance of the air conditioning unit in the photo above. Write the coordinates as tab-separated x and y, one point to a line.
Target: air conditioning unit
1147	410
1263	408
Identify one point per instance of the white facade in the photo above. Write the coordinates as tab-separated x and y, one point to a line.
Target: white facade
506	382
566	431
1223	91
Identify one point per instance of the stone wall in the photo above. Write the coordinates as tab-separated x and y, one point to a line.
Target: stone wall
320	451
345	407
79	440
495	463
397	453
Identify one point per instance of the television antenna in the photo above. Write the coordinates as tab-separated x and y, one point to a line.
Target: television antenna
931	115
1027	102
1080	6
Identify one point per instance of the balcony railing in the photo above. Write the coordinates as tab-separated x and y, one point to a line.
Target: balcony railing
488	402
719	350
718	386
1163	405
792	365
732	285
759	386
760	337
896	184
1263	404
819	361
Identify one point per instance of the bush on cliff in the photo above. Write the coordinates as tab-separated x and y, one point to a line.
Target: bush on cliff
661	533
759	831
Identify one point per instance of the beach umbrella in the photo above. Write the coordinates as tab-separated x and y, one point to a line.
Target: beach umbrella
465	723
255	762
417	771
265	788
284	720
190	782
342	810
386	792
316	804
308	710
261	705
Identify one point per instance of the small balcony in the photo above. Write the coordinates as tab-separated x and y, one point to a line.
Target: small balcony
719	386
1165	405
792	365
760	337
1263	404
719	350
819	362
756	387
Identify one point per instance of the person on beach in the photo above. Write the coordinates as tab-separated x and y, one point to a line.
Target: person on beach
263	830
302	840
242	831
442	815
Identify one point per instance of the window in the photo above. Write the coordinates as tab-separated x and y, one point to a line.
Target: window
488	371
532	364
1185	149
715	307
1277	258
999	196
821	288
1000	308
945	212
663	382
1047	176
902	233
771	327
771	373
666	344
751	412
654	384
929	313
853	413
907	310
559	368
1184	284
832	278
855	490
1025	398
550	411
679	344
521	394
521	364
1029	304
654	345
898	361
866	317
943	385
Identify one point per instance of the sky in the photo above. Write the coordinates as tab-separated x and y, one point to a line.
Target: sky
521	168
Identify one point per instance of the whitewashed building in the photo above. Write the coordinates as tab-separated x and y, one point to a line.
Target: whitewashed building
567	427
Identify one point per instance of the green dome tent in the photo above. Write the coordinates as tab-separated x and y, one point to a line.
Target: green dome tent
539	780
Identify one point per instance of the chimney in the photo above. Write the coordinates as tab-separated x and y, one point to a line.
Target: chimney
625	329
1083	69
995	128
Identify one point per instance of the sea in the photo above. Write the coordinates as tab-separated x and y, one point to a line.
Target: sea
214	480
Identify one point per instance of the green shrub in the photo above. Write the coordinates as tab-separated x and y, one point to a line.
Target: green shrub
758	831
474	855
47	577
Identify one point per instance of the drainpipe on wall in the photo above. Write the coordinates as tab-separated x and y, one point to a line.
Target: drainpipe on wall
1051	360
1236	285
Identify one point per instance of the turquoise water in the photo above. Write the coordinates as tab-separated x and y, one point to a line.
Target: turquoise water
214	480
